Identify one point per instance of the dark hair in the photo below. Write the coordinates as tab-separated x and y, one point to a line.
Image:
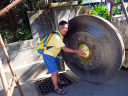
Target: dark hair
62	22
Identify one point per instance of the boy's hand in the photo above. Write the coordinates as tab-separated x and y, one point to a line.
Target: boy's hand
80	52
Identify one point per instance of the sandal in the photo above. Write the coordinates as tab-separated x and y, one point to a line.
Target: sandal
62	83
60	91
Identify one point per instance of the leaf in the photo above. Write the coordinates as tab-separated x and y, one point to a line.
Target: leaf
102	11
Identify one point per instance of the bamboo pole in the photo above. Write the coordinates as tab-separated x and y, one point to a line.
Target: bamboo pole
9	63
10	6
3	78
11	89
4	10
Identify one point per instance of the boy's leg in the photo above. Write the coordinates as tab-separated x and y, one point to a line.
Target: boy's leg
52	67
56	75
58	78
59	81
57	61
54	79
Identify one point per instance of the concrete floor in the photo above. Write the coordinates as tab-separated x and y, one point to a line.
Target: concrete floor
117	86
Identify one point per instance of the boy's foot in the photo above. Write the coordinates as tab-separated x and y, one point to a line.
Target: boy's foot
60	91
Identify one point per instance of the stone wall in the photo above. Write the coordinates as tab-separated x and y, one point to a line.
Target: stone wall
120	23
27	63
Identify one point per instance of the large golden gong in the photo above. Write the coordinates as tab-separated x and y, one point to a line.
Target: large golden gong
102	43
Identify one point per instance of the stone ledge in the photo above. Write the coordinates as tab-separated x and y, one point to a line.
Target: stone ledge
119	18
63	4
22	45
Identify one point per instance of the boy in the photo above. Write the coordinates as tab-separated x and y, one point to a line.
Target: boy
50	59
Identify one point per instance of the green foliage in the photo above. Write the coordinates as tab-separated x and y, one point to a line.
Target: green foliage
116	9
24	31
101	11
15	25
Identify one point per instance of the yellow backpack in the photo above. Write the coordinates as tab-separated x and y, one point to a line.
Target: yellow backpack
42	46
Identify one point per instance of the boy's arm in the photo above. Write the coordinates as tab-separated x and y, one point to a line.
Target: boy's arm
80	52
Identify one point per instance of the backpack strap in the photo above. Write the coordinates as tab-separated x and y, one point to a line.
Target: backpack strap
55	33
49	47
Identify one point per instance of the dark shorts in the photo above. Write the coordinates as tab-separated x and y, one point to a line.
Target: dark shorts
51	63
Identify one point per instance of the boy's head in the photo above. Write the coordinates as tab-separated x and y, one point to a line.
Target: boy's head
63	27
